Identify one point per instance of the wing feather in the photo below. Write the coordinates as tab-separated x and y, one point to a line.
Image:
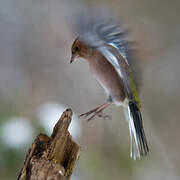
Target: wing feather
123	69
111	41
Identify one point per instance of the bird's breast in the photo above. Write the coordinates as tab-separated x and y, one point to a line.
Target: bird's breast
108	77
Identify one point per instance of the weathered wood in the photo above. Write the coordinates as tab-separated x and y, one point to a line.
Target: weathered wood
52	158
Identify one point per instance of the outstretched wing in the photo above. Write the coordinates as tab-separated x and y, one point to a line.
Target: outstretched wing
111	41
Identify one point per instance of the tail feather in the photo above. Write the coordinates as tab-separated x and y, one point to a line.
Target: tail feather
138	142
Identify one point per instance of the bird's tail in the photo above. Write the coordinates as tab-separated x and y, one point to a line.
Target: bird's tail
138	142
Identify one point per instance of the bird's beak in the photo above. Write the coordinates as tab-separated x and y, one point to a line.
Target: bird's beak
72	58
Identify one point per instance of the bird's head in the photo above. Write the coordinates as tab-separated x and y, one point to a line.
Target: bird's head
79	50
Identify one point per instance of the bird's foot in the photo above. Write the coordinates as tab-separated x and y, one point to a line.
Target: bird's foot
97	112
88	113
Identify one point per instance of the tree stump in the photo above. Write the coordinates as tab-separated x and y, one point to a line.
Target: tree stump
52	158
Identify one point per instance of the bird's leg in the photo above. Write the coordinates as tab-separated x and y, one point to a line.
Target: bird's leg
96	111
93	110
99	112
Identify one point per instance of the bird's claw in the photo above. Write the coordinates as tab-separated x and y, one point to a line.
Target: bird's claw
87	113
99	114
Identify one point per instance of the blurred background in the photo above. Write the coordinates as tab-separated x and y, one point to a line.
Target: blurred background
37	84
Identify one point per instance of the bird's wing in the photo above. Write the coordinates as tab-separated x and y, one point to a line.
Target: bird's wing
123	69
108	33
111	41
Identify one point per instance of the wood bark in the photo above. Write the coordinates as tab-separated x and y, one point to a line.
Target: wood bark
52	158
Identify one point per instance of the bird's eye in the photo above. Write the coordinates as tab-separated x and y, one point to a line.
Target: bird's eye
75	49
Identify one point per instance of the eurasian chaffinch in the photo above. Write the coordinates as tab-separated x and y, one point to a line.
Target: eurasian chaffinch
112	63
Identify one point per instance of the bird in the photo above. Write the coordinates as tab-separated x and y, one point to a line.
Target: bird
112	61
